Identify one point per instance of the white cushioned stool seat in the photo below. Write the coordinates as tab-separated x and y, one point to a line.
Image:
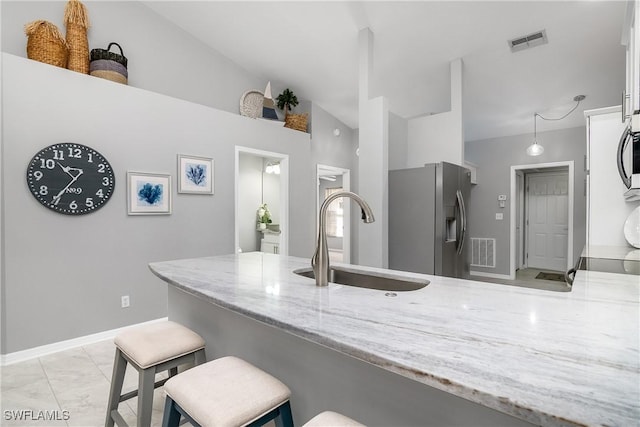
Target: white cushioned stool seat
332	419
226	392
156	343
150	349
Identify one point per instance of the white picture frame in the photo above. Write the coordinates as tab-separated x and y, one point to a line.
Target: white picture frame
148	193
195	174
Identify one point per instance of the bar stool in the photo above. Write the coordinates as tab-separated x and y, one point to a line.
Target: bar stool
226	392
331	419
150	349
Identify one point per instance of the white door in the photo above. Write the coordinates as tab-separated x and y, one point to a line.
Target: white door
548	225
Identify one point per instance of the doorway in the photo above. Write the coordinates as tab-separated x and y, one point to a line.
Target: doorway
331	179
261	201
541	219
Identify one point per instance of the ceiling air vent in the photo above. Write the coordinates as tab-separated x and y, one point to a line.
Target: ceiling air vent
525	42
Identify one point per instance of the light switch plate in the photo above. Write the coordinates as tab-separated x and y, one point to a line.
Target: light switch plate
499	216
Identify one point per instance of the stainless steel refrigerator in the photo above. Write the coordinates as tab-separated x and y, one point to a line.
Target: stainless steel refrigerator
428	220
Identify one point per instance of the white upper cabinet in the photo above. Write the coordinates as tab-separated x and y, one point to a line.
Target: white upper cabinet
631	39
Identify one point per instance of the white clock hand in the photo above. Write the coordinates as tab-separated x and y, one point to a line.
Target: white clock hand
56	198
65	169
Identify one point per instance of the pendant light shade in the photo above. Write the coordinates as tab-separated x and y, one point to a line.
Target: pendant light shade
535	149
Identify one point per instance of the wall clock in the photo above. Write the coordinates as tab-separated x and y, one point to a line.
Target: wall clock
70	178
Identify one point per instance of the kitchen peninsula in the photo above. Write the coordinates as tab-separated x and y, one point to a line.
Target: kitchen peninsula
456	352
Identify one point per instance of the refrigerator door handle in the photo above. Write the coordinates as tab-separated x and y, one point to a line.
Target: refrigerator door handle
463	220
624	140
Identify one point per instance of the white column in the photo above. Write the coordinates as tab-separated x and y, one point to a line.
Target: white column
373	116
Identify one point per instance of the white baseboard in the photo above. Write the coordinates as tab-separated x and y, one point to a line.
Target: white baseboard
490	275
32	353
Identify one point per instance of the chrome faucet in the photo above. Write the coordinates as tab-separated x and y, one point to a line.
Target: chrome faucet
320	260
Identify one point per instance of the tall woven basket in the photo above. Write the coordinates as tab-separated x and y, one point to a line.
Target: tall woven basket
77	23
46	44
296	121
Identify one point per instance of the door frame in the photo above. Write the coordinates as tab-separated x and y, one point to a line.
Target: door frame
520	195
512	216
284	195
346	213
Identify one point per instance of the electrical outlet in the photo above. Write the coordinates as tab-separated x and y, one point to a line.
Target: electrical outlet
499	216
124	301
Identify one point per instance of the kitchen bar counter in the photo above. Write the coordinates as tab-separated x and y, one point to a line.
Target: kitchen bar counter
549	358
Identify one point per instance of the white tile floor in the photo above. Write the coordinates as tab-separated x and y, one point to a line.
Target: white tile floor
72	386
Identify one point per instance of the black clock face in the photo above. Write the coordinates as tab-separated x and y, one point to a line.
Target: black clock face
70	178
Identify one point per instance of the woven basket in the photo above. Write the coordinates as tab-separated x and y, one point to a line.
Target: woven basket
109	65
46	44
296	121
77	22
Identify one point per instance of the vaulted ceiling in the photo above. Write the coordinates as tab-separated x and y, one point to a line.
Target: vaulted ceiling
312	47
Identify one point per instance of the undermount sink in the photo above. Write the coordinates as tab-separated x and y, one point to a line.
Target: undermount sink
369	280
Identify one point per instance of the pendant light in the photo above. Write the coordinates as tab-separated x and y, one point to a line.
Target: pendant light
536	149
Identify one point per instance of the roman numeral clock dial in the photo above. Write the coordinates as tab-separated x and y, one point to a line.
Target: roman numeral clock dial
70	178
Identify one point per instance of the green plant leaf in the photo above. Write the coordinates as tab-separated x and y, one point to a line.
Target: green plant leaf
287	99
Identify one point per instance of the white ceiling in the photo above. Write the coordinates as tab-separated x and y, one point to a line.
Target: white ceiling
312	47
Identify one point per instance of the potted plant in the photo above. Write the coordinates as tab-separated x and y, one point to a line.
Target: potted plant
287	100
264	216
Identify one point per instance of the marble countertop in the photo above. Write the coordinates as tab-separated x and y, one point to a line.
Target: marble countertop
551	358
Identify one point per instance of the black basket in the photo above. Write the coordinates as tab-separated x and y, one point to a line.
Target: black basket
97	54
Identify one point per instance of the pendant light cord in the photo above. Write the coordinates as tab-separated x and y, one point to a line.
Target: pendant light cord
535	131
560	118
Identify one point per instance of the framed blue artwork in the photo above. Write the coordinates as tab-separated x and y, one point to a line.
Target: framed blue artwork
148	193
195	174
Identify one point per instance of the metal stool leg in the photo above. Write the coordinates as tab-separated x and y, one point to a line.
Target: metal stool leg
117	379
171	416
200	357
285	419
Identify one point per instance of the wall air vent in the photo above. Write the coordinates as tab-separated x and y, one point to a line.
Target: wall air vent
525	42
483	252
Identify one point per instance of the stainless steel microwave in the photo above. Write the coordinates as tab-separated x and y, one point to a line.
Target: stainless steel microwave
629	158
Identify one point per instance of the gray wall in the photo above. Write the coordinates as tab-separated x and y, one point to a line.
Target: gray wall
398	142
250	197
494	158
64	275
162	57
